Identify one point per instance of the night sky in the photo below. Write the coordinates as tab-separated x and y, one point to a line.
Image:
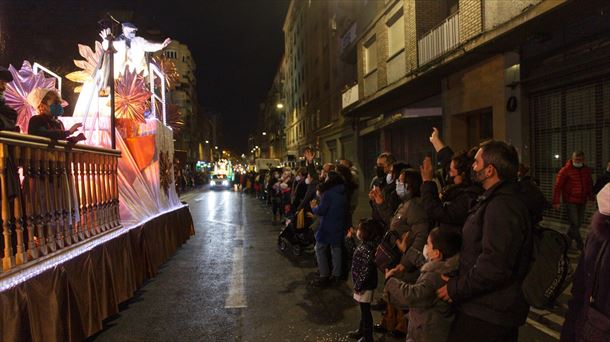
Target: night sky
237	45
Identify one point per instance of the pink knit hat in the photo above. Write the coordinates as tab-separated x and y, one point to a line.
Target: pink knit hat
603	200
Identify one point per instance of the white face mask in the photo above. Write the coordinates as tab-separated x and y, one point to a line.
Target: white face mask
298	178
388	178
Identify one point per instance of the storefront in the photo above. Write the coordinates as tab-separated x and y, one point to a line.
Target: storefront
567	85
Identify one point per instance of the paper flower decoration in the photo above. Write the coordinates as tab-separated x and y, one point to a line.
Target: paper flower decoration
174	118
88	65
17	91
168	68
165	171
131	96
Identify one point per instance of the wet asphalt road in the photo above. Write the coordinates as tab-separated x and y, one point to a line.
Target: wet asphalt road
229	282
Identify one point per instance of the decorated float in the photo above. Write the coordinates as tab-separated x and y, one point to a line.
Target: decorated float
85	224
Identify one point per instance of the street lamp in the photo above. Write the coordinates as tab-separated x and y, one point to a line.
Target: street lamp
207	141
279	105
215	147
264	133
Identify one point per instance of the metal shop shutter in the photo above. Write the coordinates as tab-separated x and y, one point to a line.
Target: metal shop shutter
571	118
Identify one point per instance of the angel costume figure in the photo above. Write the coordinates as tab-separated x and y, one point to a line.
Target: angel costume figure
93	102
131	49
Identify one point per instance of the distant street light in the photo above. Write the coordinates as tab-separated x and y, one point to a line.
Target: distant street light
207	141
264	133
216	147
279	106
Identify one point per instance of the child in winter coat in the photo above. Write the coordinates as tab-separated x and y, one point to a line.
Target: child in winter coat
429	317
364	276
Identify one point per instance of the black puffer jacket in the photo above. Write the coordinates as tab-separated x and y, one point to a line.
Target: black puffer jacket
494	259
452	210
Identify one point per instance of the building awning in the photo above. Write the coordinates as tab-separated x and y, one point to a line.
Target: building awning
430	107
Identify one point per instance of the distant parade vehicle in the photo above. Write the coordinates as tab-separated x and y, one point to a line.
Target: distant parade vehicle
222	176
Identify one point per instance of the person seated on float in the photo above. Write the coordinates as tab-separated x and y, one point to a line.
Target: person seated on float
46	124
8	116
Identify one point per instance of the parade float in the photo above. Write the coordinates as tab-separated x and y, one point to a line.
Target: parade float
85	224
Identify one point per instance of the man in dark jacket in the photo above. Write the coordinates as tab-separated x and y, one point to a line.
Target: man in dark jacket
8	116
495	254
574	186
602	180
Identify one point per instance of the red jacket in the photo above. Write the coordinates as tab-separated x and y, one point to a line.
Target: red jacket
573	184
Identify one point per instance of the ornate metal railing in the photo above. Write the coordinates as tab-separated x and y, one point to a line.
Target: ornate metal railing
53	195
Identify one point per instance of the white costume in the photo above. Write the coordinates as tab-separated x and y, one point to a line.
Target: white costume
133	56
130	51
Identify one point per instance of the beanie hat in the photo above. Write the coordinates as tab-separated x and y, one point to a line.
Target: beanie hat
603	200
5	75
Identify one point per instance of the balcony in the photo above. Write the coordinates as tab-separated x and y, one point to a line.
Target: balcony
54	195
439	40
349	96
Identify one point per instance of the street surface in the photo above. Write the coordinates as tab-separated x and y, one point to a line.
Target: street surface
230	282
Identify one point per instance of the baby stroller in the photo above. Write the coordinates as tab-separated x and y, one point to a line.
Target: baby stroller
296	235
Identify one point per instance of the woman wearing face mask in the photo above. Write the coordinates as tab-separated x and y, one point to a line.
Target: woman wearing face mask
46	124
409	219
450	209
388	195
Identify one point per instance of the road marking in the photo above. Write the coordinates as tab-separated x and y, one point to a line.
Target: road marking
543	328
236	298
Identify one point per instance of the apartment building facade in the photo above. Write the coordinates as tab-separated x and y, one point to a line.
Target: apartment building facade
527	72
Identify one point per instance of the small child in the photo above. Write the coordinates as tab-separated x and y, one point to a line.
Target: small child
364	276
429	317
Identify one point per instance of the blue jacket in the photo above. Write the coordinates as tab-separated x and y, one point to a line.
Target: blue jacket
332	209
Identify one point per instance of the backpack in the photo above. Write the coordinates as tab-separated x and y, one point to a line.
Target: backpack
550	271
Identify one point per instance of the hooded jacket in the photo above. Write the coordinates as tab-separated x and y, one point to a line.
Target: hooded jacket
409	217
332	209
429	317
573	184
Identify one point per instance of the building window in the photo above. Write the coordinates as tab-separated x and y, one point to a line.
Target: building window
396	33
370	55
